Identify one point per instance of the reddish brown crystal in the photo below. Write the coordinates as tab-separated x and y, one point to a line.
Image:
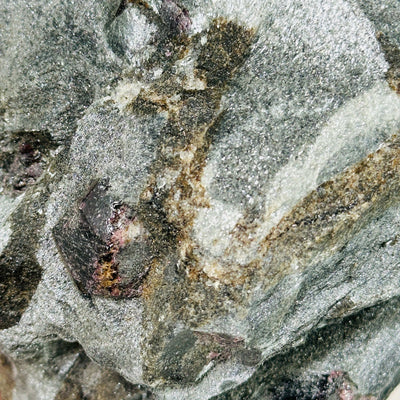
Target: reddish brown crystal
104	245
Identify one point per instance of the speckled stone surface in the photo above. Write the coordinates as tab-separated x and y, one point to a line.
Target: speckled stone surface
199	199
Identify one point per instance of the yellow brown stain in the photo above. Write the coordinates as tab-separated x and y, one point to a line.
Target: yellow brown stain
7	382
107	275
168	209
324	220
330	215
320	223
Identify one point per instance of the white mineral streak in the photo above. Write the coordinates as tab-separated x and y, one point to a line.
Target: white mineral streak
351	132
249	14
133	30
125	93
38	380
5	234
186	68
140	34
395	394
214	225
349	135
345	134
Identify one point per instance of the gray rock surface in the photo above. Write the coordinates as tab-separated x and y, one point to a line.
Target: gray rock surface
200	198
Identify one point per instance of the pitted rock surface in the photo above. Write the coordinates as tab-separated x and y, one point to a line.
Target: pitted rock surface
199	199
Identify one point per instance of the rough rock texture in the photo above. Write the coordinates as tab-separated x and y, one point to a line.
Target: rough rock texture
200	198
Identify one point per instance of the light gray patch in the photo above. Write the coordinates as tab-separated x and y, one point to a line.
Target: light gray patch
295	79
7	206
131	35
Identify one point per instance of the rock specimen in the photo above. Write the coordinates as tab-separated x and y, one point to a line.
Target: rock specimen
199	199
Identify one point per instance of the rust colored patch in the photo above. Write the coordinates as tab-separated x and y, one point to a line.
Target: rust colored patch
6	378
227	46
141	3
175	193
138	3
169	204
321	222
329	215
